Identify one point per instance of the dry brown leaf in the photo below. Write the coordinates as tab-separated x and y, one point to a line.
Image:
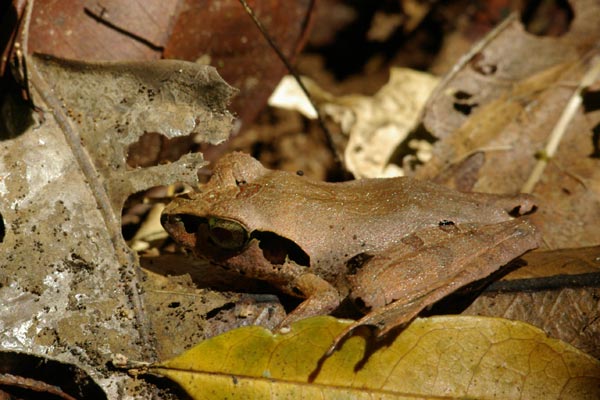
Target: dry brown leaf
375	125
218	33
557	291
584	260
495	111
568	314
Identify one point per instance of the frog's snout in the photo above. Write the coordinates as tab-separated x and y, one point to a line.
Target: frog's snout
165	221
182	228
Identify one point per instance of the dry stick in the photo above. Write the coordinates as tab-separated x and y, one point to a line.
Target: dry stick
292	70
561	126
33	385
20	50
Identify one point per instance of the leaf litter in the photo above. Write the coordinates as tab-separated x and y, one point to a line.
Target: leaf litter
566	230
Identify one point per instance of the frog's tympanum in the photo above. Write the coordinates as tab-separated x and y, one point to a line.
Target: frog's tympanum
393	245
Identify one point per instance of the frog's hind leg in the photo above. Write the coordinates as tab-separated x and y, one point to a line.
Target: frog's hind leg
444	264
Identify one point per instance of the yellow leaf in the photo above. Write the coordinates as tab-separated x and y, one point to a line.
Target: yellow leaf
440	357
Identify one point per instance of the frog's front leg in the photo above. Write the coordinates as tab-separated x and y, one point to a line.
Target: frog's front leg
321	298
397	284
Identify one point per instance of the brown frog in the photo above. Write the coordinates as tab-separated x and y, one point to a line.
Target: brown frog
393	245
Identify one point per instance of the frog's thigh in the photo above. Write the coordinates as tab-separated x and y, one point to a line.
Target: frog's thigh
397	288
321	297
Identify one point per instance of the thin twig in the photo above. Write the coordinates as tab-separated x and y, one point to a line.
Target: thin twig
101	19
20	50
561	126
294	73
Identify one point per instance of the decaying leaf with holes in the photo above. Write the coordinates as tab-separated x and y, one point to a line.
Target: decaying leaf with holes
393	245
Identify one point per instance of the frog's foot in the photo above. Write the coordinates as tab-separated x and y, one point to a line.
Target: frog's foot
321	298
438	268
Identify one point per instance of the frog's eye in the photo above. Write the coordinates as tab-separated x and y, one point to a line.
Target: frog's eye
227	234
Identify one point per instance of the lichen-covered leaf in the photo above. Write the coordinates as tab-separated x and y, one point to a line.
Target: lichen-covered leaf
441	357
70	286
110	105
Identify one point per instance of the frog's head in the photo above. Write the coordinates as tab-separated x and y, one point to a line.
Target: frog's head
205	221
